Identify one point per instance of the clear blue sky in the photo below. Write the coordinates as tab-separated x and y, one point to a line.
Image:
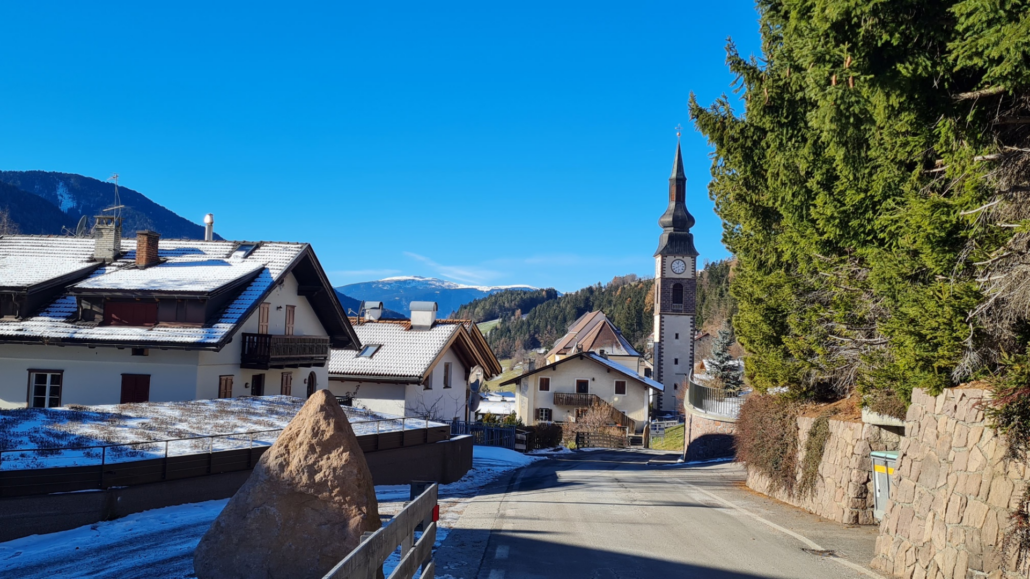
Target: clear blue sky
482	142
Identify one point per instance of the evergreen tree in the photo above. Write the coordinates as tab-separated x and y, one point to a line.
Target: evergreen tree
722	367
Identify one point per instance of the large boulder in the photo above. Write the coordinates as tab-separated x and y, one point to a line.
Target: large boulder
304	507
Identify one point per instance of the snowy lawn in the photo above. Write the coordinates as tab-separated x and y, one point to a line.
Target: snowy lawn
55	436
160	543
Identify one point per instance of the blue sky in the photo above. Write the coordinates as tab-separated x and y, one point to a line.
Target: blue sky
481	142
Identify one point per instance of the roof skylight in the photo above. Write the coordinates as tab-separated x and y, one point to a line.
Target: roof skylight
369	350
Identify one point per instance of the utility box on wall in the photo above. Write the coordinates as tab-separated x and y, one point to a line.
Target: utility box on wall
884	462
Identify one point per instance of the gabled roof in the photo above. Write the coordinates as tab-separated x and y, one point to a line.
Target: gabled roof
408	355
593	332
26	265
187	265
608	364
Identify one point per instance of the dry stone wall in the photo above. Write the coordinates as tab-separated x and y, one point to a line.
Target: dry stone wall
953	494
843	490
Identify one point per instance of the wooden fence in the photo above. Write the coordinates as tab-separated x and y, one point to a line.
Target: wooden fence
366	561
600	440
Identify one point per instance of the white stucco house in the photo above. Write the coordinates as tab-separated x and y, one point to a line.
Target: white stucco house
419	367
98	321
562	390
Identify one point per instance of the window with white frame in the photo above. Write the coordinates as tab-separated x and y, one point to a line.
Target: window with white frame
544	414
45	388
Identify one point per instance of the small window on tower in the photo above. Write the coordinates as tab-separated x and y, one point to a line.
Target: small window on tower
676	361
677	336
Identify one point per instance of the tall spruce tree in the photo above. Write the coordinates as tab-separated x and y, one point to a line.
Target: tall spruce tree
722	367
853	189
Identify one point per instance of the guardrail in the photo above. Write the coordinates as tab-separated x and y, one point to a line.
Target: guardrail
366	561
715	401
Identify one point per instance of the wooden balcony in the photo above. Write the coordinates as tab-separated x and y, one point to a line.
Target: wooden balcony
264	351
575	400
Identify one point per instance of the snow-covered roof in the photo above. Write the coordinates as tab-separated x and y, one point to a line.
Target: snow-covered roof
179	275
600	360
403	352
25	263
190	258
503	407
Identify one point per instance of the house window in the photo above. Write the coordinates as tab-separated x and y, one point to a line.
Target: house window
620	387
647	372
543	414
8	306
135	388
368	351
225	386
291	313
130	313
45	388
263	318
286	385
446	374
312	383
544	383
257	385
582	386
428	384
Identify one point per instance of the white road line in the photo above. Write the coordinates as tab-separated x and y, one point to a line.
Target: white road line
502	552
805	540
496	574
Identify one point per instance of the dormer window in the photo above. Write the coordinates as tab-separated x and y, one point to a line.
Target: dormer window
369	350
242	251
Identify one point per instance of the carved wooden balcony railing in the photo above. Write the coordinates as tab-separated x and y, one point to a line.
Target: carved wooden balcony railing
264	351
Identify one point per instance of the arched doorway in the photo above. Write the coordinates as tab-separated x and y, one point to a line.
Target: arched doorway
312	383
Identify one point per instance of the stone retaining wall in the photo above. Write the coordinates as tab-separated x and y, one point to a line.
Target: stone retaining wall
843	491
709	437
953	494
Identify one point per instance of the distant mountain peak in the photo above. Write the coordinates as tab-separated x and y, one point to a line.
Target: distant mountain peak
443	283
399	291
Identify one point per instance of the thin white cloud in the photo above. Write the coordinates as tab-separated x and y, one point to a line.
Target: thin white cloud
376	273
463	273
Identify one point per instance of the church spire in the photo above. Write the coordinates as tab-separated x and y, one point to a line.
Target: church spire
676	222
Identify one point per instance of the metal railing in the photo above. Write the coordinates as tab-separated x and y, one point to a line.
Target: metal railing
484	435
264	351
366	561
715	401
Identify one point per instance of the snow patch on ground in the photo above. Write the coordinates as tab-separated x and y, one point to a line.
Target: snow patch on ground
160	542
65	434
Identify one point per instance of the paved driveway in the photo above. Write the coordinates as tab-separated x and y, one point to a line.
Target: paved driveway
632	514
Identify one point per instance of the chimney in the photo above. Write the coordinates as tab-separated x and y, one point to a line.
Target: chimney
423	315
146	248
373	310
108	245
209	227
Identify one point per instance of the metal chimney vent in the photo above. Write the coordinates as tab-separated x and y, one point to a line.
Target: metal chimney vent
423	315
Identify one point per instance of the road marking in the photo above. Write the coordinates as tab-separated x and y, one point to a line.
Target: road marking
502	552
808	542
496	574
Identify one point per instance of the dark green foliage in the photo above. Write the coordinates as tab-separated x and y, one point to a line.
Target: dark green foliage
1009	409
815	446
852	189
715	304
502	420
628	304
504	304
722	366
767	438
543	436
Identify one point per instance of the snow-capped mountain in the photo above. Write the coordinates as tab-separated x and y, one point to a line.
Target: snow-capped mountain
397	293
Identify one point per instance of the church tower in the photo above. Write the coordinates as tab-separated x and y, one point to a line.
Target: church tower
675	283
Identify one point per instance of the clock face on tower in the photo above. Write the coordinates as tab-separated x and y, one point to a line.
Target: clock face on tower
679	266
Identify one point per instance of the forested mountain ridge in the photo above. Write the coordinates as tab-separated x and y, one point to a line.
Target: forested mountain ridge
715	303
504	304
627	301
72	196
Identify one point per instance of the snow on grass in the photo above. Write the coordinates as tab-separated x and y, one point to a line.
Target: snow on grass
160	542
62	436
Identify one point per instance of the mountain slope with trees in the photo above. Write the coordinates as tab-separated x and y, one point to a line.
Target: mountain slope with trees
505	304
627	301
875	192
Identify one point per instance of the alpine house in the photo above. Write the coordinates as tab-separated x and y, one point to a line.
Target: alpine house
86	321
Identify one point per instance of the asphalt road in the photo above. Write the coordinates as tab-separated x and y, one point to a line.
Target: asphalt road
632	515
